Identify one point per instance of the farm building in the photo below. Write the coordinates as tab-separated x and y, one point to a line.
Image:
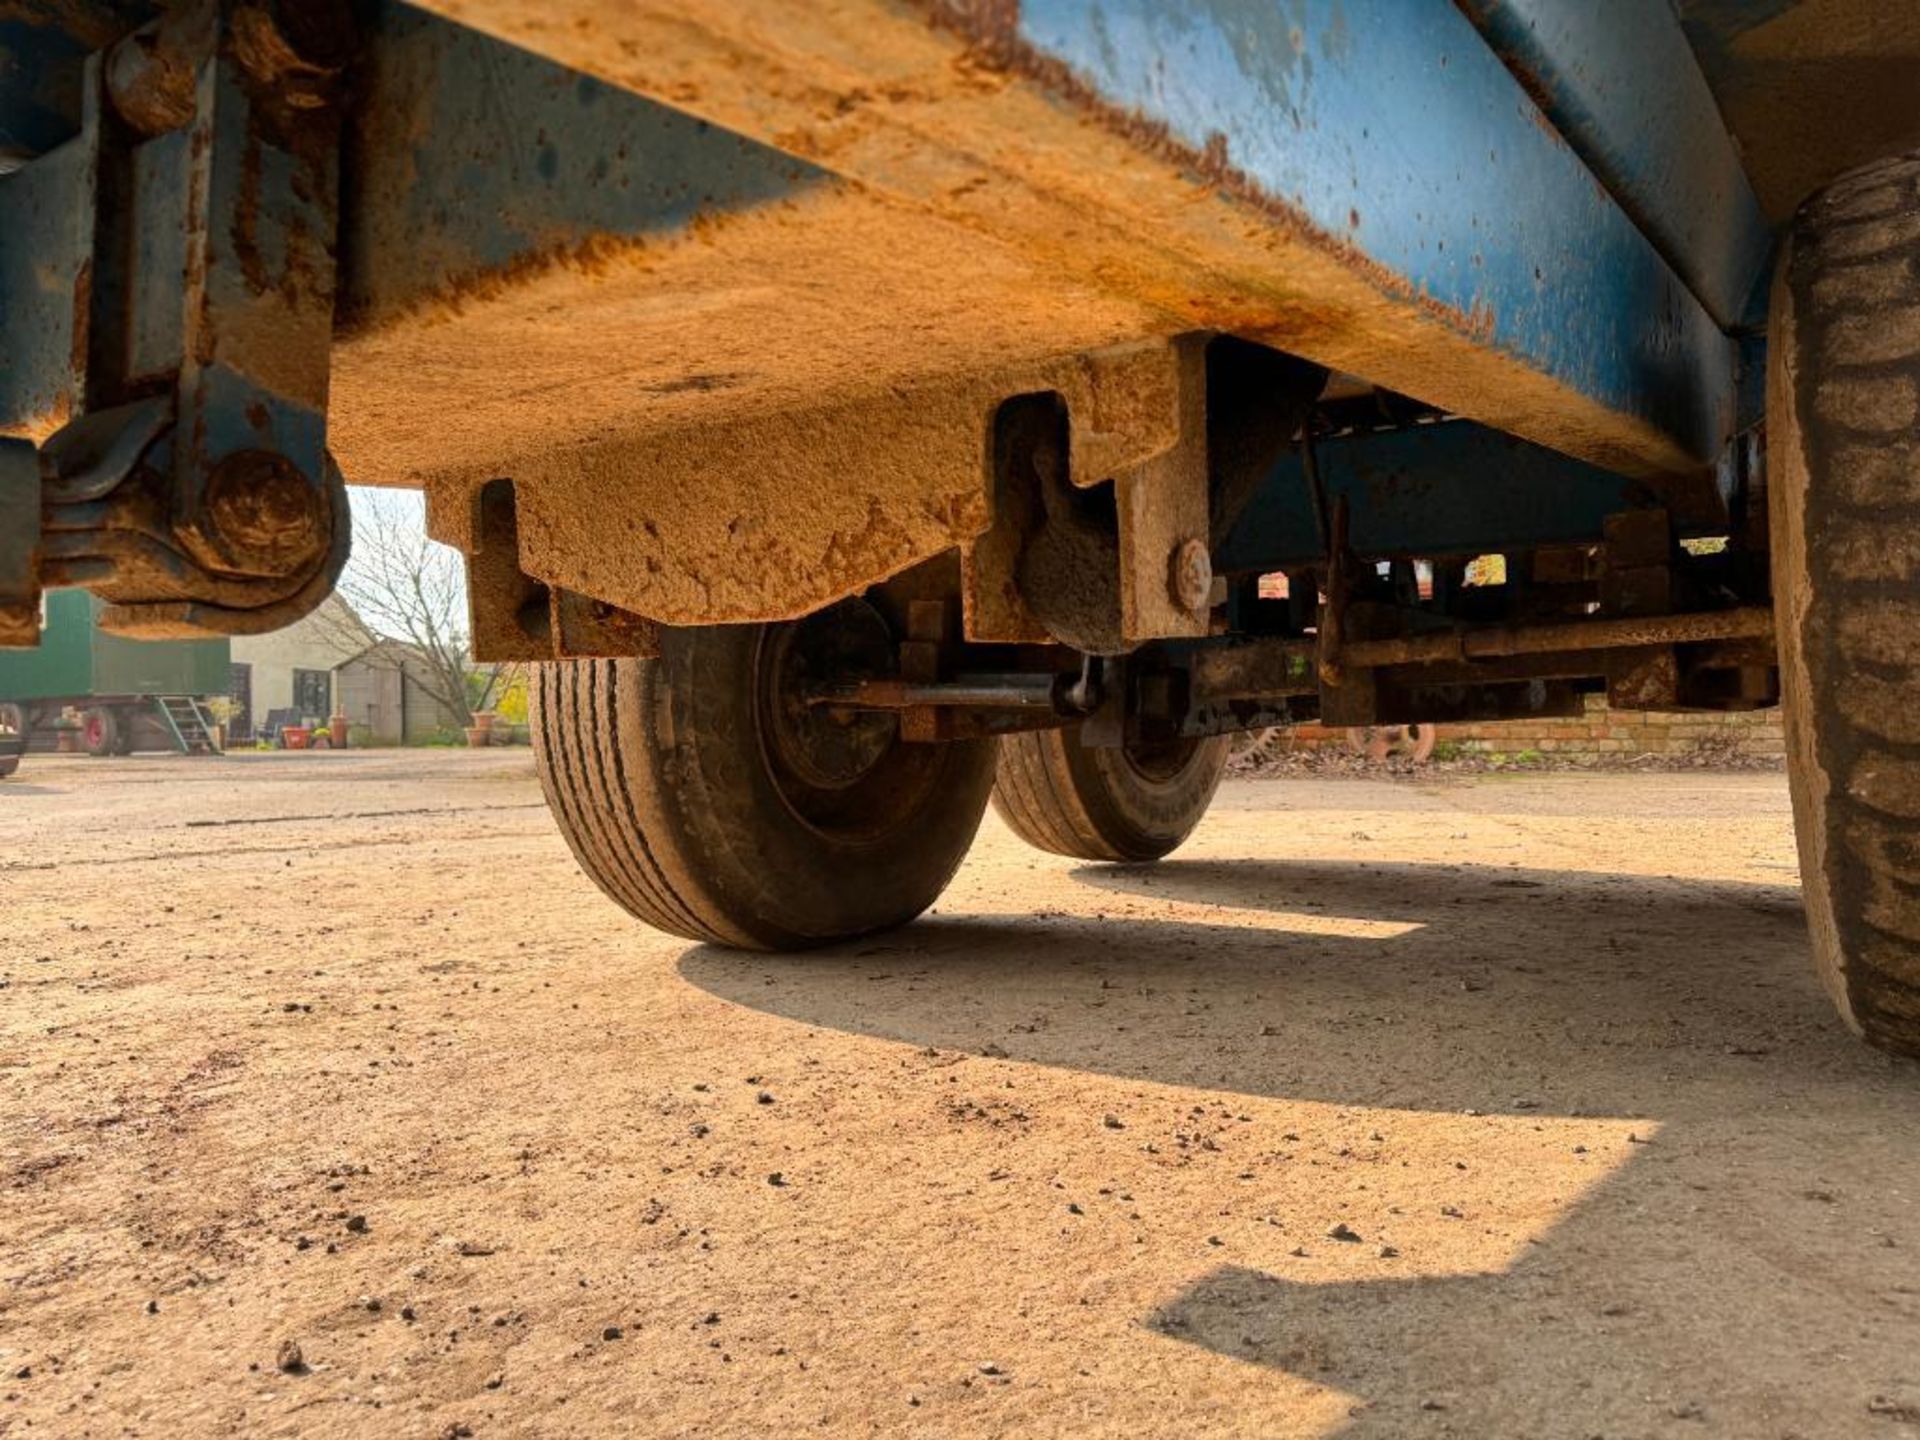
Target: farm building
289	672
386	693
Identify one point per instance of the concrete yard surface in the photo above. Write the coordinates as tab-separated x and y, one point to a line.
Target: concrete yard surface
334	1101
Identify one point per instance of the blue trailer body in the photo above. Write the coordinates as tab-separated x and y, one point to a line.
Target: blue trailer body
1395	129
857	386
1529	214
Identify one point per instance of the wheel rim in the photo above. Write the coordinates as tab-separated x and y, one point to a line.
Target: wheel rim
844	774
1377	742
1421	740
1162	761
95	730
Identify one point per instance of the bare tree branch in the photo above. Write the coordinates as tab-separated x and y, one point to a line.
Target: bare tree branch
409	604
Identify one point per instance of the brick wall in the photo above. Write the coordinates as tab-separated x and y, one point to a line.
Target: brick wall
1603	734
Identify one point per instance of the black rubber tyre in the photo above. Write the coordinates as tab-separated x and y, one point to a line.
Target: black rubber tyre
680	787
1843	421
100	731
1103	802
126	722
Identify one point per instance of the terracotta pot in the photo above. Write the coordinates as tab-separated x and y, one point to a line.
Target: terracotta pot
483	720
337	728
478	736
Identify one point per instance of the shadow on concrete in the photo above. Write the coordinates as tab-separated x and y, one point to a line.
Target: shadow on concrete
1771	1217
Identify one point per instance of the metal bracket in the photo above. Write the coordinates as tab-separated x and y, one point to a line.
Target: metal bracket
178	392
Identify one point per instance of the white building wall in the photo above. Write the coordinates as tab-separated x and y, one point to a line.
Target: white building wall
323	640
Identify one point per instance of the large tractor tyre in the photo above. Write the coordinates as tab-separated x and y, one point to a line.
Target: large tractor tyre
705	795
128	723
100	731
1105	802
1843	420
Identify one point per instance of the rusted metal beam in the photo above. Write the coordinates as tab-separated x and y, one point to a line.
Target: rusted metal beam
1362	210
1248	668
1454	646
1281	666
971	692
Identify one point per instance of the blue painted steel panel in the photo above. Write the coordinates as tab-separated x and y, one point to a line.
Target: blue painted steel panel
1621	83
1390	126
46	279
1450	488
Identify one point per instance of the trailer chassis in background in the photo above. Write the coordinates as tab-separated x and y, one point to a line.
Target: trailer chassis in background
931	375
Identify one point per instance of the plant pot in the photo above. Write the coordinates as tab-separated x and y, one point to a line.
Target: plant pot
294	737
340	729
483	720
478	736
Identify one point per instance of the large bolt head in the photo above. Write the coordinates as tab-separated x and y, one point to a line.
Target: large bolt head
153	74
261	516
1190	576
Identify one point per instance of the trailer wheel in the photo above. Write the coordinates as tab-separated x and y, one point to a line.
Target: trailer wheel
1843	402
1105	802
1377	742
125	721
100	731
702	793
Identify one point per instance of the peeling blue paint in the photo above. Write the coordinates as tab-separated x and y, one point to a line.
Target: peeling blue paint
1621	84
1419	148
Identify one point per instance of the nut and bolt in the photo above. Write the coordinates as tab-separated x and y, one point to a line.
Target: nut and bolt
296	46
259	515
1190	576
153	76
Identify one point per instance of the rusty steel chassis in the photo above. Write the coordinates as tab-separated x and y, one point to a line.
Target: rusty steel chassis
1036	322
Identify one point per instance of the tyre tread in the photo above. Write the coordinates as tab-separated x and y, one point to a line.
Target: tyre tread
596	816
652	779
1052	793
1853	261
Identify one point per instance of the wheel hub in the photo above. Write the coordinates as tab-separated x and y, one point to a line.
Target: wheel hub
1162	760
827	747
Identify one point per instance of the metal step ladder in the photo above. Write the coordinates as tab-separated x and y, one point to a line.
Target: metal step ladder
189	724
